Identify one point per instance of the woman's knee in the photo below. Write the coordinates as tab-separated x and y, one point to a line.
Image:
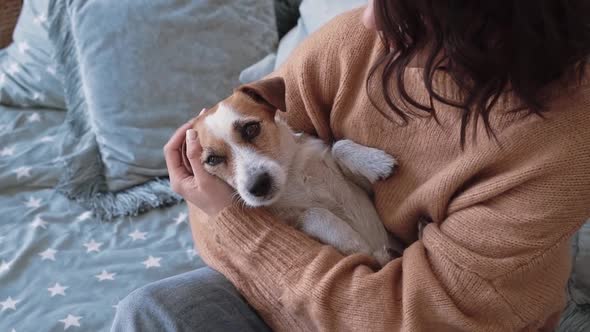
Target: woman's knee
138	300
145	309
199	300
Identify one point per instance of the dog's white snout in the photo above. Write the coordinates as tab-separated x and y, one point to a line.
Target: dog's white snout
259	179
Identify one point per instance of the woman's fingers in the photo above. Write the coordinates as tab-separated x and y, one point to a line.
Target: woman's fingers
172	153
175	142
194	150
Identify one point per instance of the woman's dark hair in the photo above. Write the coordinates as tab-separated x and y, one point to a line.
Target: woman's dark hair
486	46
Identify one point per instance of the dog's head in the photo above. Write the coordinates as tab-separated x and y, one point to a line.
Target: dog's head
244	145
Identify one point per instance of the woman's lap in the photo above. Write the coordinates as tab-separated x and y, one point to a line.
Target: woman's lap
200	300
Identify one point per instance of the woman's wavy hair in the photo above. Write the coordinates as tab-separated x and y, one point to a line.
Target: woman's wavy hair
486	46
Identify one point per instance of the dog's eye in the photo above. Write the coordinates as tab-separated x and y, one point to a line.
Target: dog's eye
214	160
251	130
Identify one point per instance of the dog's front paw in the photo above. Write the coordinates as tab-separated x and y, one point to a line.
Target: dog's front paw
381	164
373	164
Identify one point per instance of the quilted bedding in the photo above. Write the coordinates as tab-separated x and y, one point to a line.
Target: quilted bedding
60	267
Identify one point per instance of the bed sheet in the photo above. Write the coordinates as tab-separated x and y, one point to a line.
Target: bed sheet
60	267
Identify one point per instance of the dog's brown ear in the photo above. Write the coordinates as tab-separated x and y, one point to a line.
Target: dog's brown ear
269	92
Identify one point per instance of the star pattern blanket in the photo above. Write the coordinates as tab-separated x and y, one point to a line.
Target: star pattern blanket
60	267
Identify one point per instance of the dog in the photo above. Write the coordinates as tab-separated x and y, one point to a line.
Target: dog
322	191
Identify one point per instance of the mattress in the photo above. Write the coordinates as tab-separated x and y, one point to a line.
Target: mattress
61	268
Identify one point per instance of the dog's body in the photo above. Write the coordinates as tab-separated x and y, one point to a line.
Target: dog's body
324	192
322	199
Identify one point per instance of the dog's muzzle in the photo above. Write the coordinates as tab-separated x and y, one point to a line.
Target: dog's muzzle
260	186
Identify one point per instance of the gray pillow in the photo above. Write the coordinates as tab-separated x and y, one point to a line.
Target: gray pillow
576	316
28	76
135	71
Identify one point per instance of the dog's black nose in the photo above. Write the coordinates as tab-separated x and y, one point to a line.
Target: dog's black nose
261	185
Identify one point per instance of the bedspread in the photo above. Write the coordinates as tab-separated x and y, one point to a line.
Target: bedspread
60	267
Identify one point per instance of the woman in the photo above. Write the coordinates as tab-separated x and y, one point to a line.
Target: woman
484	103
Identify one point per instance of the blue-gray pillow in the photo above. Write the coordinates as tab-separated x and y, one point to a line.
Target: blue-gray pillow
28	75
135	71
576	316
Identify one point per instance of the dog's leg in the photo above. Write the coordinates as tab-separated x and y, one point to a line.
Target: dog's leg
362	164
330	229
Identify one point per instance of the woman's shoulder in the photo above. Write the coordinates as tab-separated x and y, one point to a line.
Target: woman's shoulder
344	36
562	126
347	32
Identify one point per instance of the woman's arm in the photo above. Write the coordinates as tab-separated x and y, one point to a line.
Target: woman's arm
495	265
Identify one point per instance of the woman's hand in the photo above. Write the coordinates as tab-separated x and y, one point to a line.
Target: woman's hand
205	191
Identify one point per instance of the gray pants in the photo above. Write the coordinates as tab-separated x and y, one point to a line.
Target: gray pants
201	300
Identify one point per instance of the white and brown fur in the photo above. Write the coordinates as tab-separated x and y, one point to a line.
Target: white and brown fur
323	192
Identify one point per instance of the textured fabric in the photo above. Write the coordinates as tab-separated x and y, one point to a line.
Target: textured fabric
135	72
200	300
34	220
28	76
286	12
496	256
259	69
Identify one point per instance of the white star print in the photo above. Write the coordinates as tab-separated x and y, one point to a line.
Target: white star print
57	289
92	246
35	117
46	139
9	303
152	262
137	235
104	275
181	218
12	68
38	96
71	320
8	151
4	266
40	19
38	222
51	70
23	47
48	254
33	203
84	216
23	171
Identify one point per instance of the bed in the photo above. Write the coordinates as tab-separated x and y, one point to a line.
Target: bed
63	266
59	265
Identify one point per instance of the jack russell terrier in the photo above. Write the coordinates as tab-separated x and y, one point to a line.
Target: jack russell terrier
321	191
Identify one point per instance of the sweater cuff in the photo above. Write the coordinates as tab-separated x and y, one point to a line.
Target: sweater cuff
255	238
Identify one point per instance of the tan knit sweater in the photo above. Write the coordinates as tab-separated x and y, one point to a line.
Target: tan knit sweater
495	257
